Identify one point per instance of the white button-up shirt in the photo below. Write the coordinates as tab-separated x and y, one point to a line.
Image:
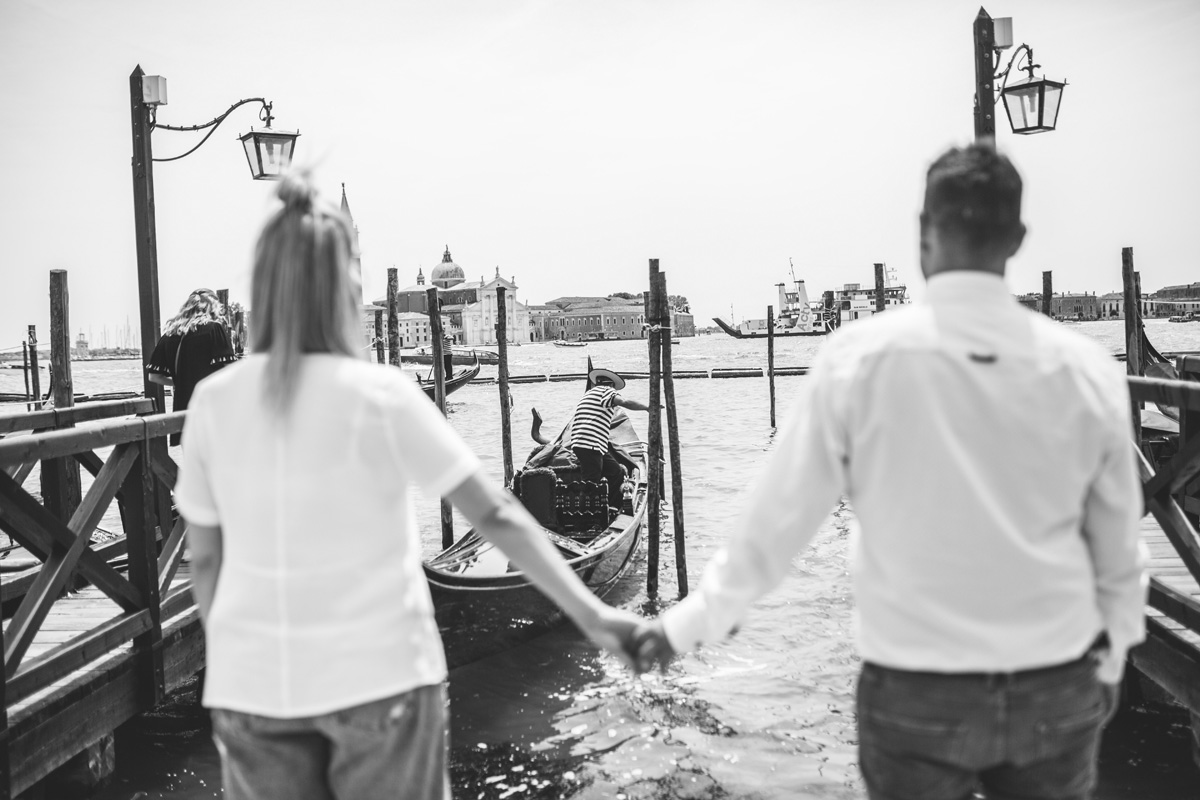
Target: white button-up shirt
987	453
322	602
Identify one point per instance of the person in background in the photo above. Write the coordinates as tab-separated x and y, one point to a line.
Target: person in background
325	673
447	355
194	345
999	579
590	425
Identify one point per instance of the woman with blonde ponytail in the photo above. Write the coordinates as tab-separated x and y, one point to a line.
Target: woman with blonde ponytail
325	672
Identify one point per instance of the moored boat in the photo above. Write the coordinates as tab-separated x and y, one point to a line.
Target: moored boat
565	343
460	355
484	605
454	383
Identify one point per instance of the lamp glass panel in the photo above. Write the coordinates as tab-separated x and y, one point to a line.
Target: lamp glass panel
252	155
1053	96
275	153
1023	104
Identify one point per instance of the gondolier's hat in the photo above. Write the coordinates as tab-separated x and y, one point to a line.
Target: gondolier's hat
608	376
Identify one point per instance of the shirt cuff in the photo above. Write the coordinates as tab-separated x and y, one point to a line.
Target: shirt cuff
453	478
686	624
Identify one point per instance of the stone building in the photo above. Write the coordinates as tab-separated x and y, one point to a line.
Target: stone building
468	307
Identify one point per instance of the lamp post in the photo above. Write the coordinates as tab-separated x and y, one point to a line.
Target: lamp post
269	152
1031	104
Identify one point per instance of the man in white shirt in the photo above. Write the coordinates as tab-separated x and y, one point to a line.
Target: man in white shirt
986	452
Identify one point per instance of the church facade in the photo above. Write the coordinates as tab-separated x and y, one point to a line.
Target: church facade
468	308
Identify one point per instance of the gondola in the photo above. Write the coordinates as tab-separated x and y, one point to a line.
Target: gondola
458	356
483	605
457	380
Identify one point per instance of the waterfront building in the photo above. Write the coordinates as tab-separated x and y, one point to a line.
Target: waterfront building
1067	305
1169	301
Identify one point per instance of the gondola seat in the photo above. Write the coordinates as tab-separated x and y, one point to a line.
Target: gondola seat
560	500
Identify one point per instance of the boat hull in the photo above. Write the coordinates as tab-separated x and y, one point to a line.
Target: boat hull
458	357
456	382
479	618
737	334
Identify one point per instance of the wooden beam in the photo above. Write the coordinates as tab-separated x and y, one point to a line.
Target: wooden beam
172	552
53	576
76	653
1181	607
1177	528
143	573
39	532
1172	476
87	412
53	444
1169	661
1177	394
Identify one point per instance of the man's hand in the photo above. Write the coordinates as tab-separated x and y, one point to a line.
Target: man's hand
652	647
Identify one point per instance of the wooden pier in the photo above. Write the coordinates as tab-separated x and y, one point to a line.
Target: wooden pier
98	633
78	662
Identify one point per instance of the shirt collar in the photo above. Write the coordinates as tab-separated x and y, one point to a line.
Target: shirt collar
966	286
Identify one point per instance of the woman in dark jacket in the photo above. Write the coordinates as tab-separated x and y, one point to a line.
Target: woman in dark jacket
194	345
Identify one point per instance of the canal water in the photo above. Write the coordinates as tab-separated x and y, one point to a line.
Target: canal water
766	714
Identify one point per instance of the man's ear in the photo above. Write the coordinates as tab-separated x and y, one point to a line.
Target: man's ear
1017	237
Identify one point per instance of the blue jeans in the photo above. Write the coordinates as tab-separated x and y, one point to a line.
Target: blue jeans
395	747
1031	734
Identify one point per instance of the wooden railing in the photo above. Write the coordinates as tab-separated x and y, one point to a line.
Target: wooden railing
1172	495
139	474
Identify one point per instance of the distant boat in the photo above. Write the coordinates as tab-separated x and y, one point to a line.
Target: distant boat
565	343
797	317
1191	316
453	383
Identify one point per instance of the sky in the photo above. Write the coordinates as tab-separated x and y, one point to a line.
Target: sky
565	142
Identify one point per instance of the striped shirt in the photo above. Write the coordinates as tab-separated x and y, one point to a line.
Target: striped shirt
593	417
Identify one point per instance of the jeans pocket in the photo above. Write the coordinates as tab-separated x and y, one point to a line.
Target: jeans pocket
925	735
1074	722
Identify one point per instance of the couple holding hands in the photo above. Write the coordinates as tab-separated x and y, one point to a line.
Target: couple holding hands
985	450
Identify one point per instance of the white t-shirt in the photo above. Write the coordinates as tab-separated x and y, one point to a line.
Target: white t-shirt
321	602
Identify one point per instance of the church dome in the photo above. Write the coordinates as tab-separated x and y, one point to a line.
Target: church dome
447	273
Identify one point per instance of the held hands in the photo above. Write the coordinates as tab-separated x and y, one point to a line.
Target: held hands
640	644
653	648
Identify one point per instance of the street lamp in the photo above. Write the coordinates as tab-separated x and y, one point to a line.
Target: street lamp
268	151
1032	104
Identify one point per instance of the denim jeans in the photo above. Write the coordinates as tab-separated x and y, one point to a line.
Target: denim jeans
1031	734
395	747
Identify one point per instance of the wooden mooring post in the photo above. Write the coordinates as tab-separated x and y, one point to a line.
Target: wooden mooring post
393	320
1133	331
439	386
1048	293
505	401
60	476
653	436
668	379
379	356
880	291
25	369
771	359
35	380
223	297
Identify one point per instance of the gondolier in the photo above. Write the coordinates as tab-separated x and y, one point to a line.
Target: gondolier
447	355
590	425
